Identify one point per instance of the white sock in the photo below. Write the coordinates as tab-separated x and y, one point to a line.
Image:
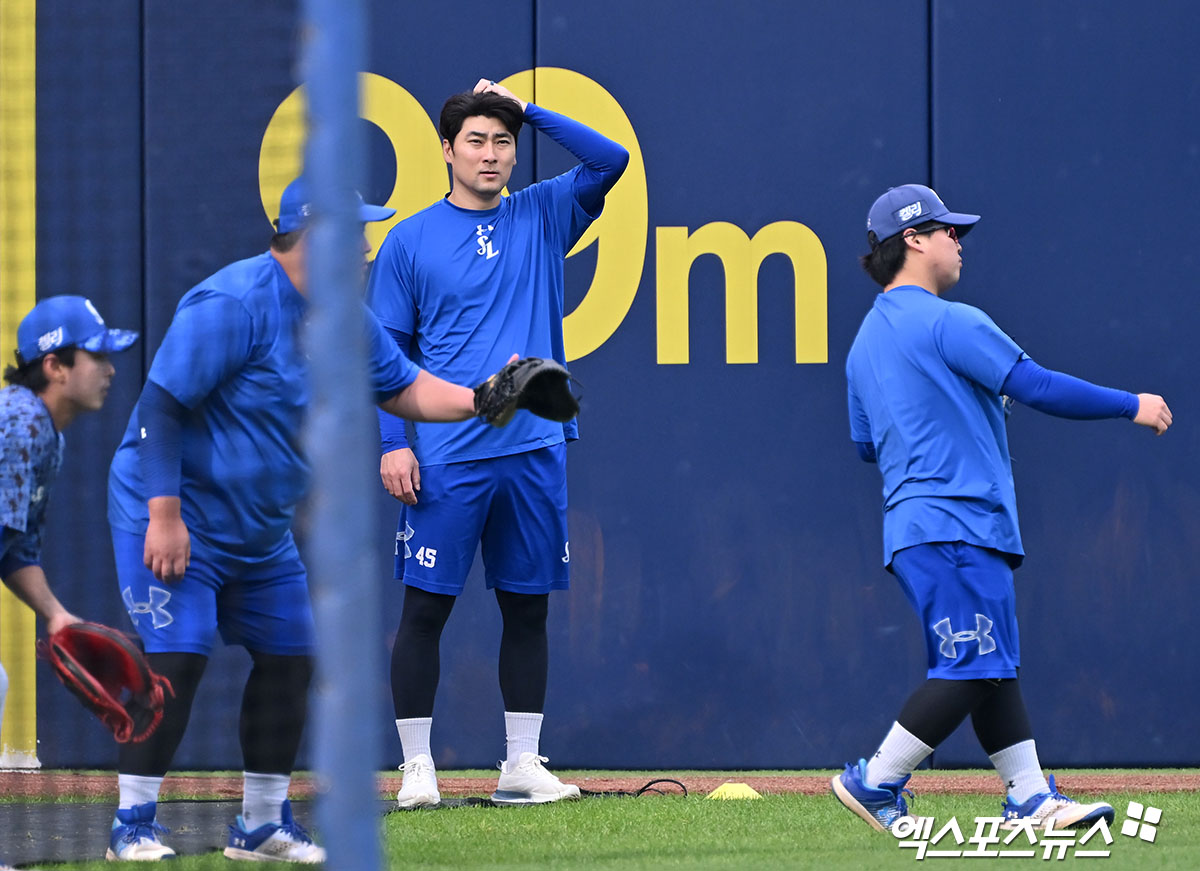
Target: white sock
523	731
414	736
135	789
263	796
900	752
3	690
1019	768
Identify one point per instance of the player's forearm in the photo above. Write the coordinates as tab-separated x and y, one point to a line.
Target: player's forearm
160	447
29	584
431	399
1065	395
592	149
866	452
393	434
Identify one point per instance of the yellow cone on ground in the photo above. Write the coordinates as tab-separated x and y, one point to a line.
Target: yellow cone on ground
734	790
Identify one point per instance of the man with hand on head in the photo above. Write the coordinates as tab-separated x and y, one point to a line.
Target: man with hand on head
202	493
458	283
927	385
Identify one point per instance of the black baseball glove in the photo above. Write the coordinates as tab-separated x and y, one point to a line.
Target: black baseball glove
540	386
108	672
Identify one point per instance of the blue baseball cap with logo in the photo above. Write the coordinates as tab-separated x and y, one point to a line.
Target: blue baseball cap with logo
910	205
295	208
59	321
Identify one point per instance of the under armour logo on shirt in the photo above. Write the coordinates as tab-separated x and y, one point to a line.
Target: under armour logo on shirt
484	241
950	638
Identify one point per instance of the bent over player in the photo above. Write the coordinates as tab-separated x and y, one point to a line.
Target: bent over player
459	282
202	492
927	380
62	371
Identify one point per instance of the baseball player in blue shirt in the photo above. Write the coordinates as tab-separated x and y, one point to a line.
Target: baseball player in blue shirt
202	492
62	371
456	284
927	385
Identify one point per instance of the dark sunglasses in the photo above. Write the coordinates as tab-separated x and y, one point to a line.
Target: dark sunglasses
950	231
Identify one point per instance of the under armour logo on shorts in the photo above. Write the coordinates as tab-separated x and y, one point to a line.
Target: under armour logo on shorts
404	537
156	608
950	638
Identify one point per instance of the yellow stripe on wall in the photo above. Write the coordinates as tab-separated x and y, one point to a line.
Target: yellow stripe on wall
18	269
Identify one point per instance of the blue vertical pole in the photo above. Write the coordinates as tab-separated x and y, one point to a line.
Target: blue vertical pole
342	443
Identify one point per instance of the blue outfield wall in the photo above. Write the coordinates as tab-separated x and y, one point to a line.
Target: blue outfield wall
728	606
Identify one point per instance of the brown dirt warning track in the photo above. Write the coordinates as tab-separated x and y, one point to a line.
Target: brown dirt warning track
44	784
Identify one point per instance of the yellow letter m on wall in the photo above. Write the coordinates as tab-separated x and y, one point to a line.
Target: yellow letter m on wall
741	258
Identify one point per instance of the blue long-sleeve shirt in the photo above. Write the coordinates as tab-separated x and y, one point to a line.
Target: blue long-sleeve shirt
460	307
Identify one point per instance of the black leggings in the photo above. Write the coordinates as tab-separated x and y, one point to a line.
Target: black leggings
274	708
416	660
996	708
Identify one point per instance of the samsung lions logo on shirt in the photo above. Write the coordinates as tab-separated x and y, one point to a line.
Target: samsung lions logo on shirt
484	241
909	212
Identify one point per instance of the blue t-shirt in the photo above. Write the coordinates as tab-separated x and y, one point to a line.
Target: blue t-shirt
473	288
233	358
30	456
924	378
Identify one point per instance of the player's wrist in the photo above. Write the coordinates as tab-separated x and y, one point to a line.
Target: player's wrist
164	508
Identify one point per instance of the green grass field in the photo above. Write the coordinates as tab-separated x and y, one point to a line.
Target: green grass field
776	831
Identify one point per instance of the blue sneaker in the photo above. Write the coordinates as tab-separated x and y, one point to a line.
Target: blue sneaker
274	842
135	836
1055	808
879	805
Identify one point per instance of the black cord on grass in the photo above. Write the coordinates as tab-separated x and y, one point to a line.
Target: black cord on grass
477	801
649	787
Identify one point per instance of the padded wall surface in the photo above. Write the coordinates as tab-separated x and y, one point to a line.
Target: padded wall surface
728	608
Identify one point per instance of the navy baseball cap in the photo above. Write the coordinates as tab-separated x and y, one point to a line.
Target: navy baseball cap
295	207
910	205
59	321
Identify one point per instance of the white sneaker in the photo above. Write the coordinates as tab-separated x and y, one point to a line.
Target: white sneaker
420	787
134	836
528	782
286	841
1054	807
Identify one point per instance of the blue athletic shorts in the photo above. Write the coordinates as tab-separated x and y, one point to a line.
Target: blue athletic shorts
964	597
263	606
514	506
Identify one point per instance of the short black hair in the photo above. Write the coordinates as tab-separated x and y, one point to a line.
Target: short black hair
887	257
29	374
466	105
285	242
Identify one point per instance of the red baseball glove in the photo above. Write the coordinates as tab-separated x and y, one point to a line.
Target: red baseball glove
108	672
